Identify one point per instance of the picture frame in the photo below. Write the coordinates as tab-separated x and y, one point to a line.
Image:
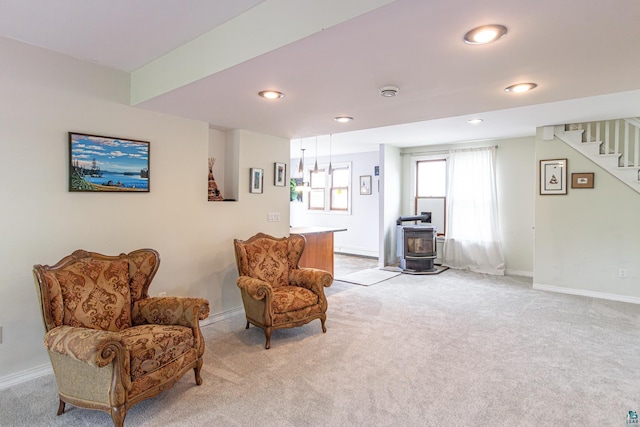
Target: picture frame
582	180
279	174
256	180
553	177
365	184
105	164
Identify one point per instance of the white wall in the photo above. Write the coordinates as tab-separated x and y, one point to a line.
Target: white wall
390	203
583	238
46	95
515	177
361	237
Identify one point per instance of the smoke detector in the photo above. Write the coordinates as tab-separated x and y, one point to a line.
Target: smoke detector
389	91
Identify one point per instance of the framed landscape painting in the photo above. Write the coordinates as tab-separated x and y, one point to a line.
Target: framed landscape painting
107	164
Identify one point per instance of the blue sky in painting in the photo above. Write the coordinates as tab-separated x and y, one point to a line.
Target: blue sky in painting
111	154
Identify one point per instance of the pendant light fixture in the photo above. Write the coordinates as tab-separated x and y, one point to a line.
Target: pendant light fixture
301	164
315	166
330	171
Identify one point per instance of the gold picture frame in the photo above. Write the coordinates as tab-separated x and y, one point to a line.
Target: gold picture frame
582	180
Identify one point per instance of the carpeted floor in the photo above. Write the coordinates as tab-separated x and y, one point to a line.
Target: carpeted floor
452	349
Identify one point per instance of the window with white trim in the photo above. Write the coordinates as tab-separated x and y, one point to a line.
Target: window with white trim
330	193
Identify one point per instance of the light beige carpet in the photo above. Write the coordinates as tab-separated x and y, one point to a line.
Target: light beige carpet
368	277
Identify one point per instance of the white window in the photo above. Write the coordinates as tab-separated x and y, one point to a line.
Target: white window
330	193
431	191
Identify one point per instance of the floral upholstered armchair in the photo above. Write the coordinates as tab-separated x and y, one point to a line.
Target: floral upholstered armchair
110	344
276	292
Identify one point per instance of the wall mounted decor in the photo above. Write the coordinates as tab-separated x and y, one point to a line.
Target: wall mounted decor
107	164
582	180
213	191
553	176
365	184
279	174
256	178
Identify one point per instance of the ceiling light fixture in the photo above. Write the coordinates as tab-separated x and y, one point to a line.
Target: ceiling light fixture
315	166
389	91
485	34
474	121
330	171
343	119
521	87
271	94
301	164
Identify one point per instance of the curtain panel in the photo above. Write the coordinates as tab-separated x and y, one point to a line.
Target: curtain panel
473	239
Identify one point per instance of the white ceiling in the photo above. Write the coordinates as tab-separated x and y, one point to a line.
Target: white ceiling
582	53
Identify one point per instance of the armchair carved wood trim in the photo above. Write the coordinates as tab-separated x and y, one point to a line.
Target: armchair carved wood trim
110	344
276	292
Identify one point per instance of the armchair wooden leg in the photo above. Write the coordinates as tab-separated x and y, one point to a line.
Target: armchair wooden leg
247	325
61	407
322	320
267	333
197	369
117	415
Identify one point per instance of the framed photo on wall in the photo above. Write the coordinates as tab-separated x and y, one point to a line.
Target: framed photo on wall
107	164
279	174
553	176
255	180
582	180
365	184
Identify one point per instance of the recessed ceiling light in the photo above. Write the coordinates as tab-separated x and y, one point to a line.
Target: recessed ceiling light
474	121
520	87
485	34
271	94
343	119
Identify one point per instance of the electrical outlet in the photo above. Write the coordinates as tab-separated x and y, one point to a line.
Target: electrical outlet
622	272
273	217
162	294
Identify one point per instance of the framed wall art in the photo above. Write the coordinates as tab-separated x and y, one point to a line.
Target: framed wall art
553	176
279	174
365	184
582	180
257	175
107	164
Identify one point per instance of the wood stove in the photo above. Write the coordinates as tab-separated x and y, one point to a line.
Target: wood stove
416	243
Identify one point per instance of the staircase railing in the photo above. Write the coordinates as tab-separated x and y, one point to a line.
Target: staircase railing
620	136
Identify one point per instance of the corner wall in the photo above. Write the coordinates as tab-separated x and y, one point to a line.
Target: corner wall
46	95
583	238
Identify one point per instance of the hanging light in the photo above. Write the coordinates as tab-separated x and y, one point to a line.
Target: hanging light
301	164
315	167
330	171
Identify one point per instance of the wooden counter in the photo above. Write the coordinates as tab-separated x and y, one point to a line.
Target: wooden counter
318	252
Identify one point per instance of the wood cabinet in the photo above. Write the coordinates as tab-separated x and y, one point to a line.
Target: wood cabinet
318	252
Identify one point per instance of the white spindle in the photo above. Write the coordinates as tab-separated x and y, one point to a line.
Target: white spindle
597	131
636	147
588	132
606	137
616	140
625	155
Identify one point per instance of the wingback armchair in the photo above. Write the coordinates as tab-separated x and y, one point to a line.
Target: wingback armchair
110	344
276	292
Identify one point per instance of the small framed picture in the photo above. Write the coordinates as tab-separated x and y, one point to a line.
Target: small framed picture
256	178
553	176
582	180
365	184
279	174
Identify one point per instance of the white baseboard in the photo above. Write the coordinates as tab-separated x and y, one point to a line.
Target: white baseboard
40	371
586	293
356	251
23	376
522	273
218	317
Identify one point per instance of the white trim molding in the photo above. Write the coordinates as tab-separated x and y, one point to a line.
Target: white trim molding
586	293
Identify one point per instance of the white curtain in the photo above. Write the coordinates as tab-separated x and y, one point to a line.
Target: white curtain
472	239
